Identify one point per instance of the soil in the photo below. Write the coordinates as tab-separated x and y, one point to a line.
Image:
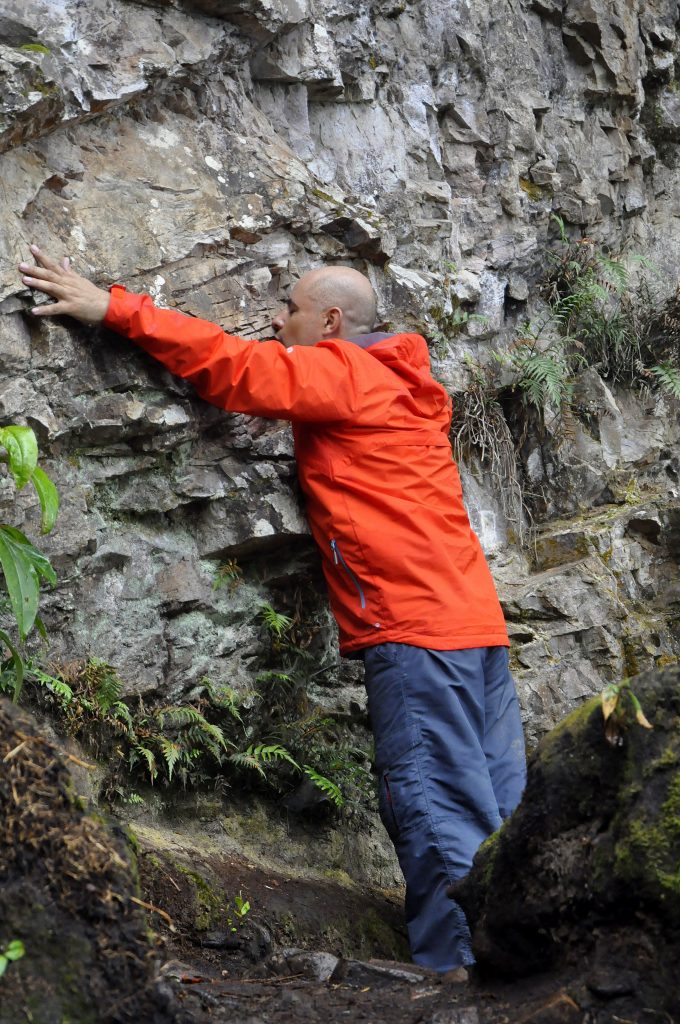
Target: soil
257	976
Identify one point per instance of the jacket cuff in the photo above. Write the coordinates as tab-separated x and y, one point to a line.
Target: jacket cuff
122	306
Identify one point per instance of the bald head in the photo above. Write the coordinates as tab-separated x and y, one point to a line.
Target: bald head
332	302
346	289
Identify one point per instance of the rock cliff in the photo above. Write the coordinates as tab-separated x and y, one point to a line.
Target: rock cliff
210	151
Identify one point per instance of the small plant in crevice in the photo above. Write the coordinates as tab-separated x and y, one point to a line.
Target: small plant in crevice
620	706
238	911
479	424
619	326
228	575
12	952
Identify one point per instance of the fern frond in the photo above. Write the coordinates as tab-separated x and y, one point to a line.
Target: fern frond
614	271
107	684
276	622
256	756
57	686
266	677
171	751
227	699
140	753
121	712
668	377
325	785
245	759
178	716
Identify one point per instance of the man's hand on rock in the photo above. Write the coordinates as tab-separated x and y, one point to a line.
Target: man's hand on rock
75	295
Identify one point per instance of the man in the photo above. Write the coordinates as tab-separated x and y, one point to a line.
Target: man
408	583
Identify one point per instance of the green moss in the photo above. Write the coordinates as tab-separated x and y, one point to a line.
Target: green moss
373	62
37	85
339	876
377	937
487	854
534	191
209	907
571	724
35	48
647	853
327	198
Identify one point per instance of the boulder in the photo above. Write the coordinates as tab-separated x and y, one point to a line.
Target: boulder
583	880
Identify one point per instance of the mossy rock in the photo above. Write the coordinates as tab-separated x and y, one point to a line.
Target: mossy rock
67	892
593	851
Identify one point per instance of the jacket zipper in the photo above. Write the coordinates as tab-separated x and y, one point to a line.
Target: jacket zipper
339	560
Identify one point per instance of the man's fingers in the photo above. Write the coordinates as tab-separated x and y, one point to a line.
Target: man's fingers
49	287
43	260
45	275
54	309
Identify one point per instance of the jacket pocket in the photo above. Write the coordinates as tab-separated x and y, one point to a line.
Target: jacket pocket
339	560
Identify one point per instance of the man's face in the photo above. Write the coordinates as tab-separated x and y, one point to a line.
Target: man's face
301	321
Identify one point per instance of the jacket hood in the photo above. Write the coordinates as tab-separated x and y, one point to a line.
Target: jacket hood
407	356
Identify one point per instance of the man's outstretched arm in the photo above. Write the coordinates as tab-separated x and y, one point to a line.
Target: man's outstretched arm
316	383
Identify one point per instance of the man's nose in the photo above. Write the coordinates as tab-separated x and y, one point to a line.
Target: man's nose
278	320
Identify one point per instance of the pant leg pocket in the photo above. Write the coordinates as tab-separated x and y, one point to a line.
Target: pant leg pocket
402	801
385	807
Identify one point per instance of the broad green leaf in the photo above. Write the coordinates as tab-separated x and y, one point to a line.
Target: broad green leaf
23	566
22	450
49	498
15	950
18	664
37	559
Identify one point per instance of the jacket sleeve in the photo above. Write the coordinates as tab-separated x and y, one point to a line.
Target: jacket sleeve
319	382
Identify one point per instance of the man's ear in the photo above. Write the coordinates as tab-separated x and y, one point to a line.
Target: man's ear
332	321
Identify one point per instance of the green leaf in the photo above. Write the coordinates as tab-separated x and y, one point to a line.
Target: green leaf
325	785
22	451
14	951
48	496
18	664
40	626
23	565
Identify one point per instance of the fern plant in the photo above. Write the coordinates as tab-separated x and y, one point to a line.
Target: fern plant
277	624
620	328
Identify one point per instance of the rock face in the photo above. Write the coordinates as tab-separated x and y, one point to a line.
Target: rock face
67	892
210	151
583	881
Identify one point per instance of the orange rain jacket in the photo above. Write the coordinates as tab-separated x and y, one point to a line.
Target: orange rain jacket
383	494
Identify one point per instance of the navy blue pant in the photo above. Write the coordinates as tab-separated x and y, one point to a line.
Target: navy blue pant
449	751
